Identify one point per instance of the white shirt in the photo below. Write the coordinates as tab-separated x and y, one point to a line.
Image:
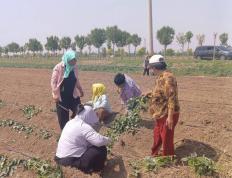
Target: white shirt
102	102
78	135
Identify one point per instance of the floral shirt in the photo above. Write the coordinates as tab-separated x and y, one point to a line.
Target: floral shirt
164	96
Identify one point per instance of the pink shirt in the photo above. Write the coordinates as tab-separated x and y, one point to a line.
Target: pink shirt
57	79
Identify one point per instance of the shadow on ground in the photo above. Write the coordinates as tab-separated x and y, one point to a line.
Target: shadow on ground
147	123
186	147
115	168
110	119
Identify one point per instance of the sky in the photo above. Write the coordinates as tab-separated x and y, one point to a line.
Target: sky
24	19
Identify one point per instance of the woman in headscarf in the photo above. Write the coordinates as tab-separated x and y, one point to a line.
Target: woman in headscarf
80	145
66	88
100	102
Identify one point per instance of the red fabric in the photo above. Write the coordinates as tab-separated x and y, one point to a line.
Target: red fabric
164	136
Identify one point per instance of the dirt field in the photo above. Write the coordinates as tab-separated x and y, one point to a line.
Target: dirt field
205	125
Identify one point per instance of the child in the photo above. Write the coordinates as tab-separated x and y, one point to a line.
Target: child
100	102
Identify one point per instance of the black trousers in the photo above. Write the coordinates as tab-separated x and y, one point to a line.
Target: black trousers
93	160
63	113
146	71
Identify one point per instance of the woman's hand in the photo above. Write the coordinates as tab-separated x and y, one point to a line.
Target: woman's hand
147	94
56	100
169	122
81	93
154	118
119	90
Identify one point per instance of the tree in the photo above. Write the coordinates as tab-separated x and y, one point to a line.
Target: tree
65	43
104	52
170	52
52	43
141	51
73	46
13	47
165	36
80	42
112	34
188	36
136	40
88	43
223	38
34	45
1	51
122	41
200	39
21	49
181	40
5	50
108	44
129	41
98	38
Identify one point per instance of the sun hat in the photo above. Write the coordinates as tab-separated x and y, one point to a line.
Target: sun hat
158	62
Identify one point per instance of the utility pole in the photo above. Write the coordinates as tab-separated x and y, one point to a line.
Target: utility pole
214	43
150	28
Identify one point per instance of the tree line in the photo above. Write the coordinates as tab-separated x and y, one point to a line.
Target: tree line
166	36
112	37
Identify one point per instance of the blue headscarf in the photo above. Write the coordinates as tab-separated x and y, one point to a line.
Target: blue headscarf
68	56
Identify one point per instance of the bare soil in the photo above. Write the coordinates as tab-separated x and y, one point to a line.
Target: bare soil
205	125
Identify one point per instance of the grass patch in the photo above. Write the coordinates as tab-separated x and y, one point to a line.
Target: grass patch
17	126
201	165
181	66
150	164
21	127
30	110
42	168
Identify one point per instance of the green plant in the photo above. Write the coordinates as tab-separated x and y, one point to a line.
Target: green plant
201	164
136	168
2	103
113	136
43	168
127	123
141	52
20	127
30	110
45	134
150	164
7	167
17	126
138	103
170	52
